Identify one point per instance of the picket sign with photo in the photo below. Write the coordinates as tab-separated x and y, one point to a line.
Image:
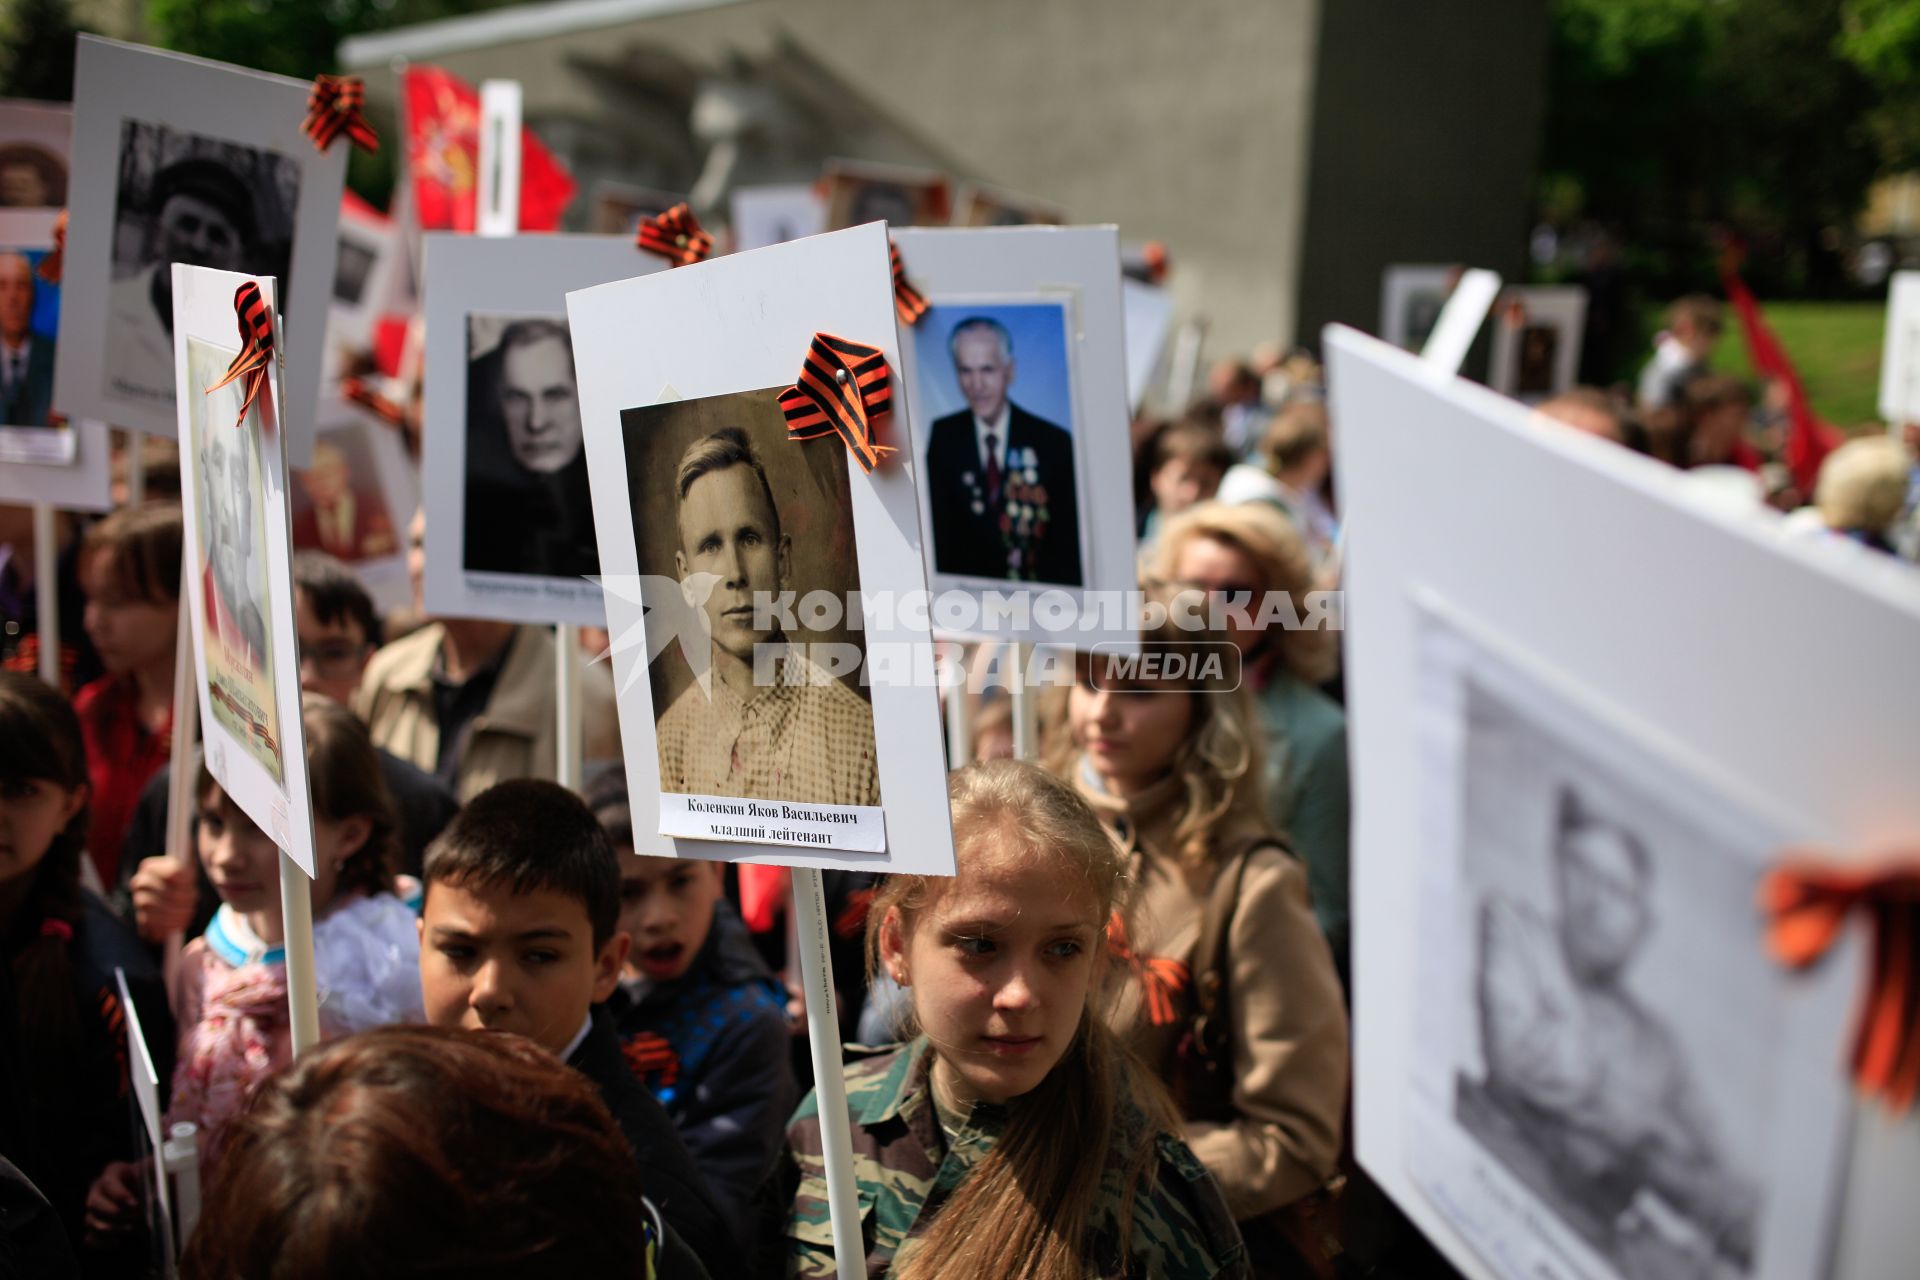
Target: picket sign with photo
677	371
237	583
182	160
775	214
1030	318
1460	319
355	497
1575	1054
1537	331
1900	352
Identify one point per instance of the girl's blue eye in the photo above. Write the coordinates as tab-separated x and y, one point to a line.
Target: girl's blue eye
1065	949
975	946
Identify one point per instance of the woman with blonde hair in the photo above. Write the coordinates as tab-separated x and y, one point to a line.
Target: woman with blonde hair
1229	989
1011	1136
1253	563
1863	489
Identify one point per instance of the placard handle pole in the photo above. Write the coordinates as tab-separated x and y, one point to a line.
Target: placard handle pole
1026	710
136	467
296	916
186	724
566	705
46	591
959	721
829	1072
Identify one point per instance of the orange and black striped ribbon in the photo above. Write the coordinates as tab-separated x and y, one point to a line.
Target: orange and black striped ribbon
675	235
908	302
256	348
363	393
52	266
1162	979
843	390
1808	904
334	107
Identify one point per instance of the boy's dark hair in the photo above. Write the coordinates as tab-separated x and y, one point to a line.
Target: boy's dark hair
335	592
528	834
1196	438
607	797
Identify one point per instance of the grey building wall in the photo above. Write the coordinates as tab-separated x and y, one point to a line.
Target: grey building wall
1427	118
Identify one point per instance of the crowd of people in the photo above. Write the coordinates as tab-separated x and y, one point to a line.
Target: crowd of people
1116	1042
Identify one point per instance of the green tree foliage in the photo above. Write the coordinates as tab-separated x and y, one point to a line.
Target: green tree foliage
1881	38
36	49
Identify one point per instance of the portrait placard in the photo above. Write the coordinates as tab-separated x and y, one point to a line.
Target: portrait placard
979	205
1537	331
616	208
1149	317
510	526
1572	799
181	160
766	596
36	145
776	214
1017	381
354	498
1900	352
367	270
84	484
899	195
1411	299
238	584
29	325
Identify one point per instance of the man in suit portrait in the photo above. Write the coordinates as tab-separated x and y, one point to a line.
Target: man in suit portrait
26	358
347	523
1001	479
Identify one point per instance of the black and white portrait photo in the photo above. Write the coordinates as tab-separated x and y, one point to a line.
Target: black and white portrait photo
528	510
735	512
351	267
1617	1094
184	198
1002	487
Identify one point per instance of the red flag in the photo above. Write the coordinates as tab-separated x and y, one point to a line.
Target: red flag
443	157
1809	438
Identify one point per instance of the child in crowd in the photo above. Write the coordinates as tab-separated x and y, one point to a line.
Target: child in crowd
1230	990
415	1151
232	989
1184	465
1010	1137
64	1105
130	571
701	1019
519	931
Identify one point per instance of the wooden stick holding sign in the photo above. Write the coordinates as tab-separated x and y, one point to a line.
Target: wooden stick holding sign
146	1095
46	591
1460	319
180	778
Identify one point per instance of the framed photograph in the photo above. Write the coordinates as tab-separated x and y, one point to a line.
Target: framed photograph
1411	298
367	266
510	521
1017	380
777	694
30	431
238	583
776	214
1536	341
979	205
1900	354
83	484
182	161
616	208
1530	736
36	145
1623	1085
354	498
898	195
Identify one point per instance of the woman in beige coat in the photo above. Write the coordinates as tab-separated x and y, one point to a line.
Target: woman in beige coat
1173	767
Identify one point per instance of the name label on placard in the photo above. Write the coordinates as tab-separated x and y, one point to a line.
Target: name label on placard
859	828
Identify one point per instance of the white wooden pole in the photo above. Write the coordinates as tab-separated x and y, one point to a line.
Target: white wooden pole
136	467
829	1073
180	798
959	718
1026	709
46	591
296	919
566	705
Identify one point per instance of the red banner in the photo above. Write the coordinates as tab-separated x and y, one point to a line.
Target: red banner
443	158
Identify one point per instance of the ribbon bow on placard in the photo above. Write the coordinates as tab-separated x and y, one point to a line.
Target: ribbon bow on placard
675	235
1807	904
843	389
51	266
908	302
256	347
1162	979
334	107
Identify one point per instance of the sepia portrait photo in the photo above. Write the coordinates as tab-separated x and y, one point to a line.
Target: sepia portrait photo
36	145
1002	487
738	515
194	200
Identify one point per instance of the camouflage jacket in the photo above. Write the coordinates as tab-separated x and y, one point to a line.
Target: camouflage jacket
1181	1229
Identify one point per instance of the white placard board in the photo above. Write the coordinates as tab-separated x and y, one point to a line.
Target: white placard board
238	575
739	324
1537	330
1149	316
139	114
1056	292
146	1096
355	498
369	261
509	516
1900	352
776	214
84	484
1653	618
